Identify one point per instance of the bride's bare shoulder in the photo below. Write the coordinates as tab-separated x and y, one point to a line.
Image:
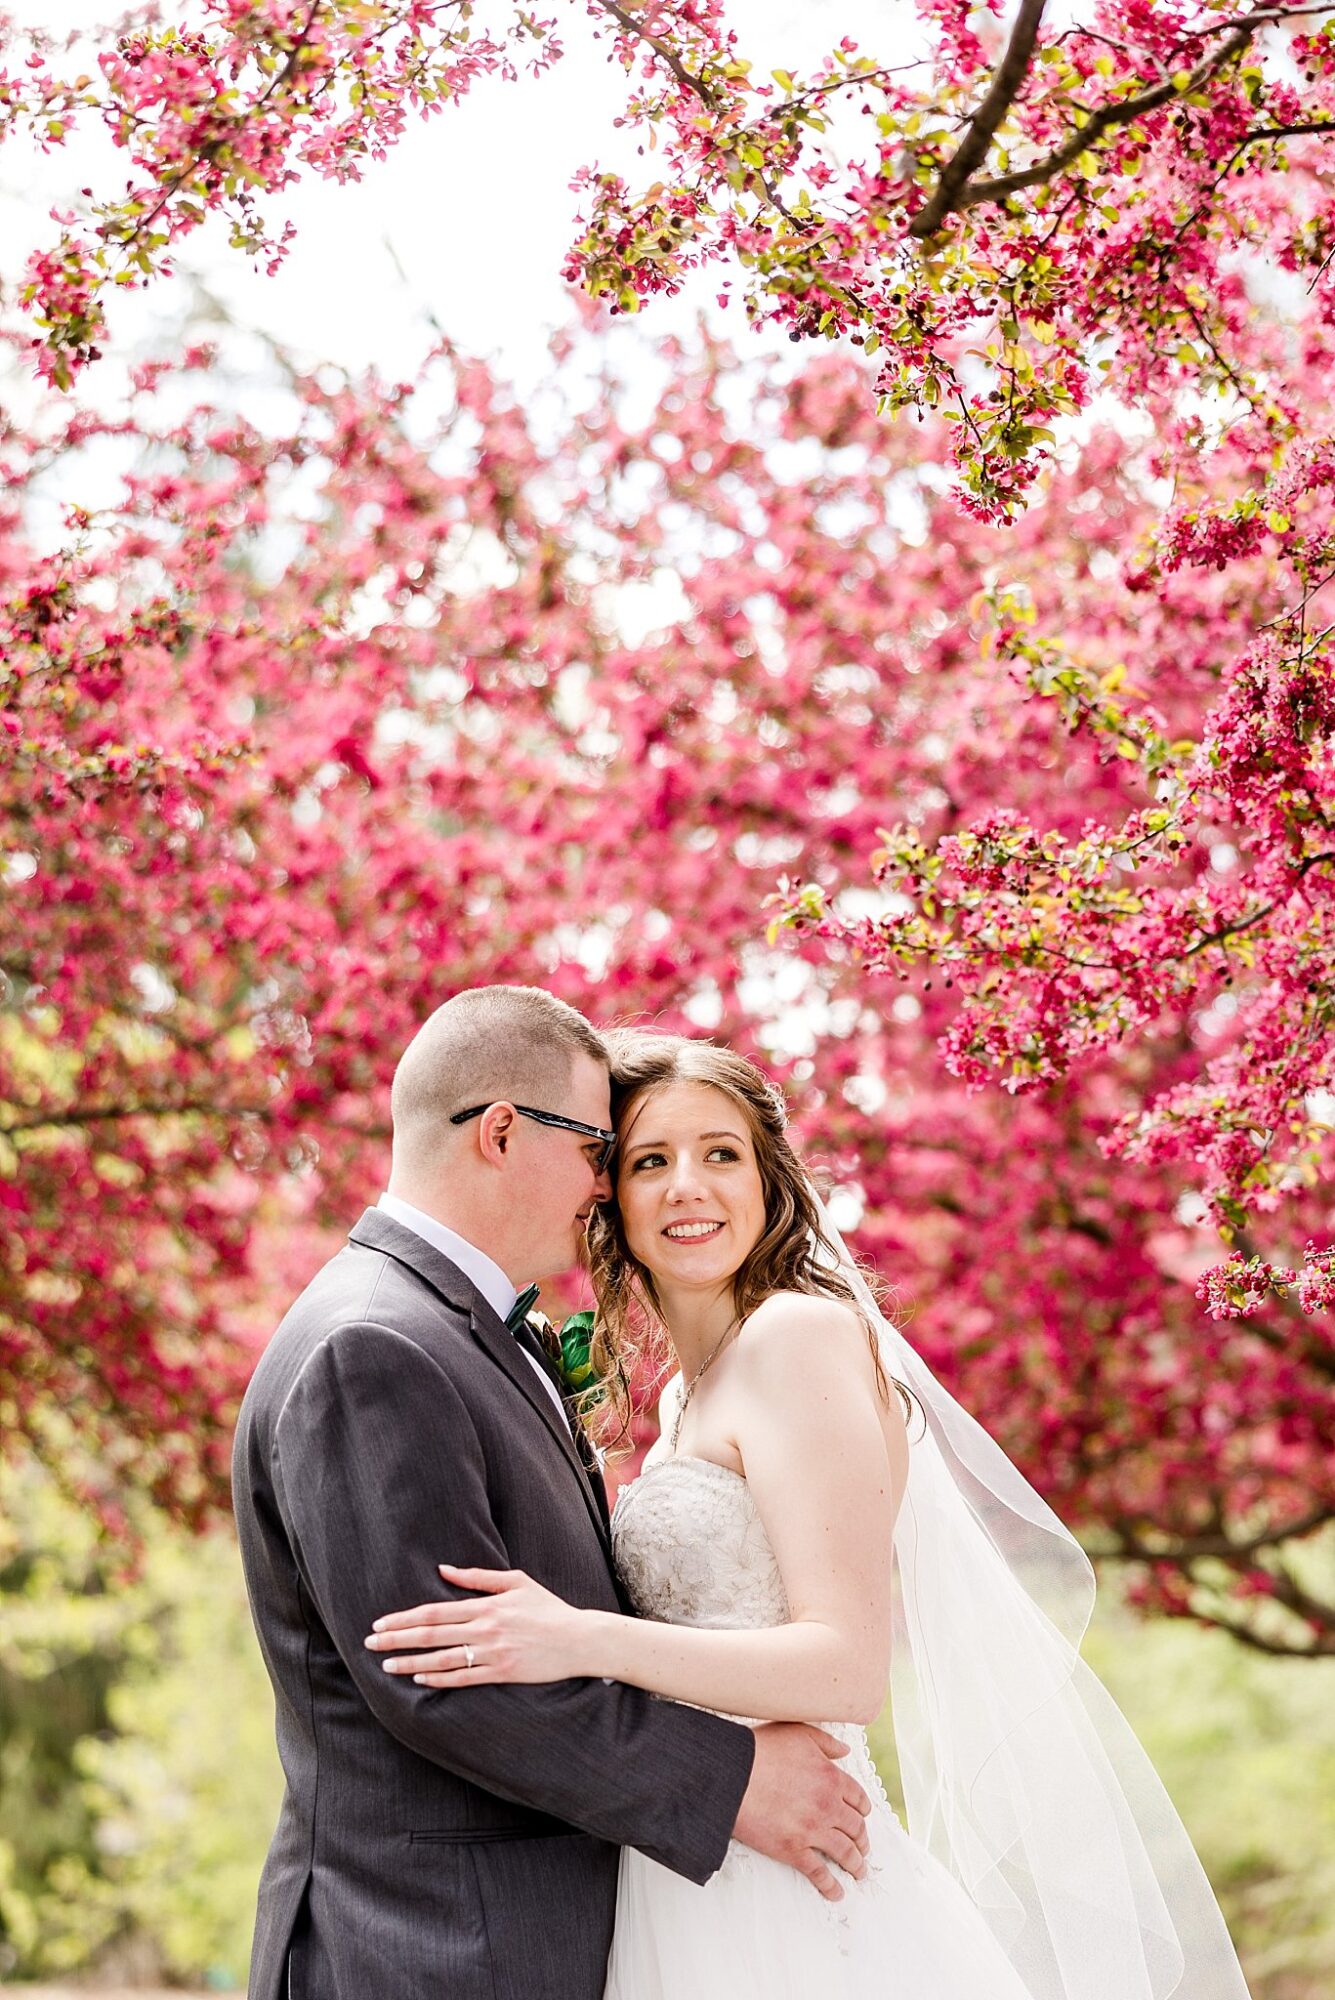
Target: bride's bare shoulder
796	1320
794	1340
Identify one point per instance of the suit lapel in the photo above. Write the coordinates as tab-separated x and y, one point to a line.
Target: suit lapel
378	1231
528	1339
491	1333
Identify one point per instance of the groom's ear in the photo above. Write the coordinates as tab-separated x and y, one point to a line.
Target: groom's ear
495	1131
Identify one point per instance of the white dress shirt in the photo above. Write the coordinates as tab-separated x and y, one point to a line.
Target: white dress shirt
475	1264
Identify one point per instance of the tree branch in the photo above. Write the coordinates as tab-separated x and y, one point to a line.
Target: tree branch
1099	122
1235	930
1319	1638
972	150
689	81
1317	1647
177	180
102	1113
1183	1549
1262	19
1193	1548
1288	1592
666	55
1299	130
1316	1353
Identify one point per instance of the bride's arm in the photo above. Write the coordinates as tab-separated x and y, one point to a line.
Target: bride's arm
814	1448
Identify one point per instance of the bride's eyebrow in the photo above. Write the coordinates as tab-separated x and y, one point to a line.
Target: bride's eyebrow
660	1145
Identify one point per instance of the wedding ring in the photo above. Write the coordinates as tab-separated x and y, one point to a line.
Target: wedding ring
468	1658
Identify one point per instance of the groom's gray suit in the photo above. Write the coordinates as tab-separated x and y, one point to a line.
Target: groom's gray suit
441	1845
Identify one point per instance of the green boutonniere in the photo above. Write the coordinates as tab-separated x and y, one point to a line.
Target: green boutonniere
575	1360
569	1352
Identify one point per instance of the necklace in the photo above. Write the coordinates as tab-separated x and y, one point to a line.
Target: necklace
689	1389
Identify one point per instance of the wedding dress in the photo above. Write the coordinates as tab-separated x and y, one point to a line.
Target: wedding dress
691	1549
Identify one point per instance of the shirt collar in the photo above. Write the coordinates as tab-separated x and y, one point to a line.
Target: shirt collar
475	1264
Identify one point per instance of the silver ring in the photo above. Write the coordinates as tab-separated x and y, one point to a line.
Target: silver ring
468	1658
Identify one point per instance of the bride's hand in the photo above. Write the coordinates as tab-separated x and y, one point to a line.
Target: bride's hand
514	1631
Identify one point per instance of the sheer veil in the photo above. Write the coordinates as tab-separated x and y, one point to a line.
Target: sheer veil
1019	1771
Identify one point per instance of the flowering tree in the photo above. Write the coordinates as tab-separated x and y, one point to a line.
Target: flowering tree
308	729
992	219
1004	219
1093	756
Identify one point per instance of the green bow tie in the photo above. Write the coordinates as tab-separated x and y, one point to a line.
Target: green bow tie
521	1308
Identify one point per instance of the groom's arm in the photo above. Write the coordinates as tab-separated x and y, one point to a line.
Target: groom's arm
380	1476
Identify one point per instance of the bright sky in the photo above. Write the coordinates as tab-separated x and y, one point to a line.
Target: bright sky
473	207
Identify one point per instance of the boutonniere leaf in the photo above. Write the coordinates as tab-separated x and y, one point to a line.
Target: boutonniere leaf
575	1359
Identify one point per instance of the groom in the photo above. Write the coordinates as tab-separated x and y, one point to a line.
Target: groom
462	1845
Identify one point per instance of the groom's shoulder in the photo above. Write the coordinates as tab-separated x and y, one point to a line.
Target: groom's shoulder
364	1283
352	1283
360	1288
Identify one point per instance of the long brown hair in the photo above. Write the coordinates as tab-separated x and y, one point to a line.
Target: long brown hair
792	1253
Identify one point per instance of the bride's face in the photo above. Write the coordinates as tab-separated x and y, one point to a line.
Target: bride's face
688	1186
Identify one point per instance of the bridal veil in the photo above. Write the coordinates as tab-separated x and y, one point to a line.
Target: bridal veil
1019	1772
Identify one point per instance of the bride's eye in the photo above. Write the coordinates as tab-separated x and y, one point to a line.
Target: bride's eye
647	1160
724	1153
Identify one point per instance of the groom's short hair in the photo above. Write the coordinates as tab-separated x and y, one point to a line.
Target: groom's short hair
489	1043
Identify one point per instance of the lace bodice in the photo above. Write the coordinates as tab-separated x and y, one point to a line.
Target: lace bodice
691	1548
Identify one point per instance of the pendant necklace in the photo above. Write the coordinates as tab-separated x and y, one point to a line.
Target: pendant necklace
689	1390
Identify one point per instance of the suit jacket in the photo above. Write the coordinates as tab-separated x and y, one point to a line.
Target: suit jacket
432	1844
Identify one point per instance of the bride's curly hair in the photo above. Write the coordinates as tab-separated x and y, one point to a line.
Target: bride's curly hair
793	1254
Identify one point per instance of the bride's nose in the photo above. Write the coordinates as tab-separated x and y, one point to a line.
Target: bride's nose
685	1183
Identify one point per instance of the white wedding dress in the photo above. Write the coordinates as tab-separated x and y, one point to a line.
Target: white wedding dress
691	1549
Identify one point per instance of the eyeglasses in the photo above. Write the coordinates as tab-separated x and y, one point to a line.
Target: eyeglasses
609	1139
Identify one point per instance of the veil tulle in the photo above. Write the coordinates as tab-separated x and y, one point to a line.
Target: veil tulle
1019	1771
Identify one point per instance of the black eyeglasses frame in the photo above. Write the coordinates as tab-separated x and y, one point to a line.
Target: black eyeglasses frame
609	1139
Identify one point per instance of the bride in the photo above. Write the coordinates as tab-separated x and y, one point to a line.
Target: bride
819	1518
